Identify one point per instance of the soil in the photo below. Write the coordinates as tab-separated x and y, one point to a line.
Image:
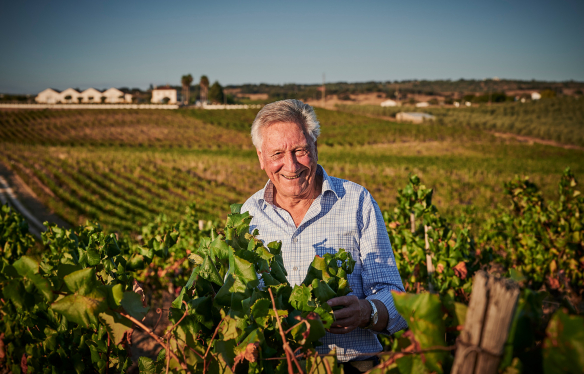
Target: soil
143	345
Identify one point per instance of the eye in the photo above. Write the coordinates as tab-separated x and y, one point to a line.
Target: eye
301	152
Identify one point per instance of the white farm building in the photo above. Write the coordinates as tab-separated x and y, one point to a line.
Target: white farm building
390	103
90	95
414	117
162	94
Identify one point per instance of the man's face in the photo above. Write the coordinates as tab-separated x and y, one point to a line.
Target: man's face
289	159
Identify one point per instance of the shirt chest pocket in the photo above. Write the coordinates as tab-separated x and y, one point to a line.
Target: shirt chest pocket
336	238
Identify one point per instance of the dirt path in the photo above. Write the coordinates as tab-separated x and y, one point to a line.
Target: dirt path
22	198
532	140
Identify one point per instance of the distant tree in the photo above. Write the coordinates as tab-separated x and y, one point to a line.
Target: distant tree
204	83
166	100
547	94
216	94
186	81
68	98
79	98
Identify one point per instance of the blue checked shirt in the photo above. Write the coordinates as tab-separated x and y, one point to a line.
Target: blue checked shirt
344	215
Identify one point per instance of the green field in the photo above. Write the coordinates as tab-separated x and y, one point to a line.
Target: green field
557	119
125	167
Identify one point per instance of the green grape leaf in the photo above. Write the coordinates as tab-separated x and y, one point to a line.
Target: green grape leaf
146	366
136	262
424	315
316	270
325	312
316	364
193	276
65	269
301	299
563	350
81	282
242	269
260	311
248	349
278	272
81	309
132	304
229	329
343	288
114	294
219	248
322	291
226	348
236	208
275	248
26	266
14	291
93	257
209	272
116	325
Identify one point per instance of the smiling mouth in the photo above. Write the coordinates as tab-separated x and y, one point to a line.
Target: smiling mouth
296	176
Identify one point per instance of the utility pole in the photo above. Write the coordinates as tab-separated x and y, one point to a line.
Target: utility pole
323	91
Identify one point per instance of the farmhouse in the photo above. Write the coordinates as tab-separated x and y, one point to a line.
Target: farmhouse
414	117
162	94
390	103
48	96
90	95
113	95
535	96
70	96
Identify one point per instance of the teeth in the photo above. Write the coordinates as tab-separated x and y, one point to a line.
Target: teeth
290	178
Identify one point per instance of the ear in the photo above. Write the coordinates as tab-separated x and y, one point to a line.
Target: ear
259	152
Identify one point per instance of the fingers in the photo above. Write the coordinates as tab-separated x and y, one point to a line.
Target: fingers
349	312
343	301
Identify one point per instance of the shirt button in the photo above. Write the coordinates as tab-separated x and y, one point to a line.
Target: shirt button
295	268
296	240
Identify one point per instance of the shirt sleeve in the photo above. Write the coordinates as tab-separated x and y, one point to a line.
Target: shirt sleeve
380	275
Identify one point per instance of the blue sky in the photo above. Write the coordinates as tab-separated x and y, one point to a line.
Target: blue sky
135	43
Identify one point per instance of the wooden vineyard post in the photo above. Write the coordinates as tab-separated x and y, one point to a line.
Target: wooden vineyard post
489	316
412	222
429	263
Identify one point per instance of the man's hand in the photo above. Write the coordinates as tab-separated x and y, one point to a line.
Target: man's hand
355	313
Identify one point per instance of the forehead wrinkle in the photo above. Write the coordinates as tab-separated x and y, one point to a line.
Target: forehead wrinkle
283	141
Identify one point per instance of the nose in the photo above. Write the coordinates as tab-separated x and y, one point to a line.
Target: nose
290	162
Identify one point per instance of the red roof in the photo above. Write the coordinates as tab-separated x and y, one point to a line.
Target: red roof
164	88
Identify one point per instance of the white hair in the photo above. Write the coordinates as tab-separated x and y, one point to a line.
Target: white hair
289	110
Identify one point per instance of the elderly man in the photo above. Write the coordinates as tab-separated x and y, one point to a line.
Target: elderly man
312	214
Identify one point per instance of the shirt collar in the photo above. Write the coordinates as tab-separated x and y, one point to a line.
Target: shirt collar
267	194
